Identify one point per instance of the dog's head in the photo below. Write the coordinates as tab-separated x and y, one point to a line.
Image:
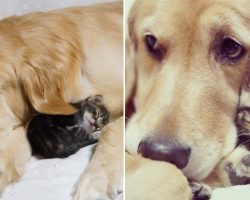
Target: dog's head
189	61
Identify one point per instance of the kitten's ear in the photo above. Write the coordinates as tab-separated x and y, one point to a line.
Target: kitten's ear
98	98
95	99
42	84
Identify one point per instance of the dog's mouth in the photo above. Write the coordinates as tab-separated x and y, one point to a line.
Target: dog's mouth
195	159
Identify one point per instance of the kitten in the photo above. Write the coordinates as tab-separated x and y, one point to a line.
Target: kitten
243	127
60	136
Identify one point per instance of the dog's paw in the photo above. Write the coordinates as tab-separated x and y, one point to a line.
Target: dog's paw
8	172
94	185
200	191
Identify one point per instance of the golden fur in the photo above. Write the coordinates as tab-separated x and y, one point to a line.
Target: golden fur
147	179
189	95
50	59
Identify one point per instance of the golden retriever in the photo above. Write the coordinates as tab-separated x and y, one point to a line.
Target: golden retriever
48	60
188	61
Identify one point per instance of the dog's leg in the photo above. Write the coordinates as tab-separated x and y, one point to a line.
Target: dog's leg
14	153
103	176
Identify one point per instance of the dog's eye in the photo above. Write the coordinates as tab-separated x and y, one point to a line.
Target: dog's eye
231	50
154	47
151	42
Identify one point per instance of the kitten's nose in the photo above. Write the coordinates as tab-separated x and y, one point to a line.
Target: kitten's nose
163	149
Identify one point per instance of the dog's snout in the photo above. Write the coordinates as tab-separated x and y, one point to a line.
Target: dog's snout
162	149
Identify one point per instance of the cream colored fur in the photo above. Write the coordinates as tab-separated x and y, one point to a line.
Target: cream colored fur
188	95
147	179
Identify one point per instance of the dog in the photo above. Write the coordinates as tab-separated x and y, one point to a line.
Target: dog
186	64
48	61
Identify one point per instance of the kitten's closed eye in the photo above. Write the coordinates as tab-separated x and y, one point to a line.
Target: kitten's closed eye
97	114
102	115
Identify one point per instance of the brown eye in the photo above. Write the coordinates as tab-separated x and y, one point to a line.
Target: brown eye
231	50
151	42
154	47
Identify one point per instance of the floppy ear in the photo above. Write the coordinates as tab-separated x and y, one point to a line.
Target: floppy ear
131	16
130	72
42	84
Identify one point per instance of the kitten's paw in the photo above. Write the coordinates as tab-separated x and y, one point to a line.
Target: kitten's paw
237	165
96	135
200	191
241	167
238	162
239	172
95	186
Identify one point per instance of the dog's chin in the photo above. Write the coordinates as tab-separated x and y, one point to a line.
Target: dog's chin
197	174
199	167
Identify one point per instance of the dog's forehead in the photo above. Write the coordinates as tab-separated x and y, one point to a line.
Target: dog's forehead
189	16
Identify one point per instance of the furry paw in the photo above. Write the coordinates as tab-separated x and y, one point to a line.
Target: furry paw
95	185
8	172
241	168
237	166
13	156
239	172
200	191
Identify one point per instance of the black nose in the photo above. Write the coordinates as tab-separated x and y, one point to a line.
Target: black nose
162	149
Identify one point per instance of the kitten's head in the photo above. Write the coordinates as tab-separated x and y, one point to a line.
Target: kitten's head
95	114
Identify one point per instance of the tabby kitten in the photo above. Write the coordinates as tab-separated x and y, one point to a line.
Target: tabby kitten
243	127
60	136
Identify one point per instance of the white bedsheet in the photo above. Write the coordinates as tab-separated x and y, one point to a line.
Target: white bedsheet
53	179
240	192
50	179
